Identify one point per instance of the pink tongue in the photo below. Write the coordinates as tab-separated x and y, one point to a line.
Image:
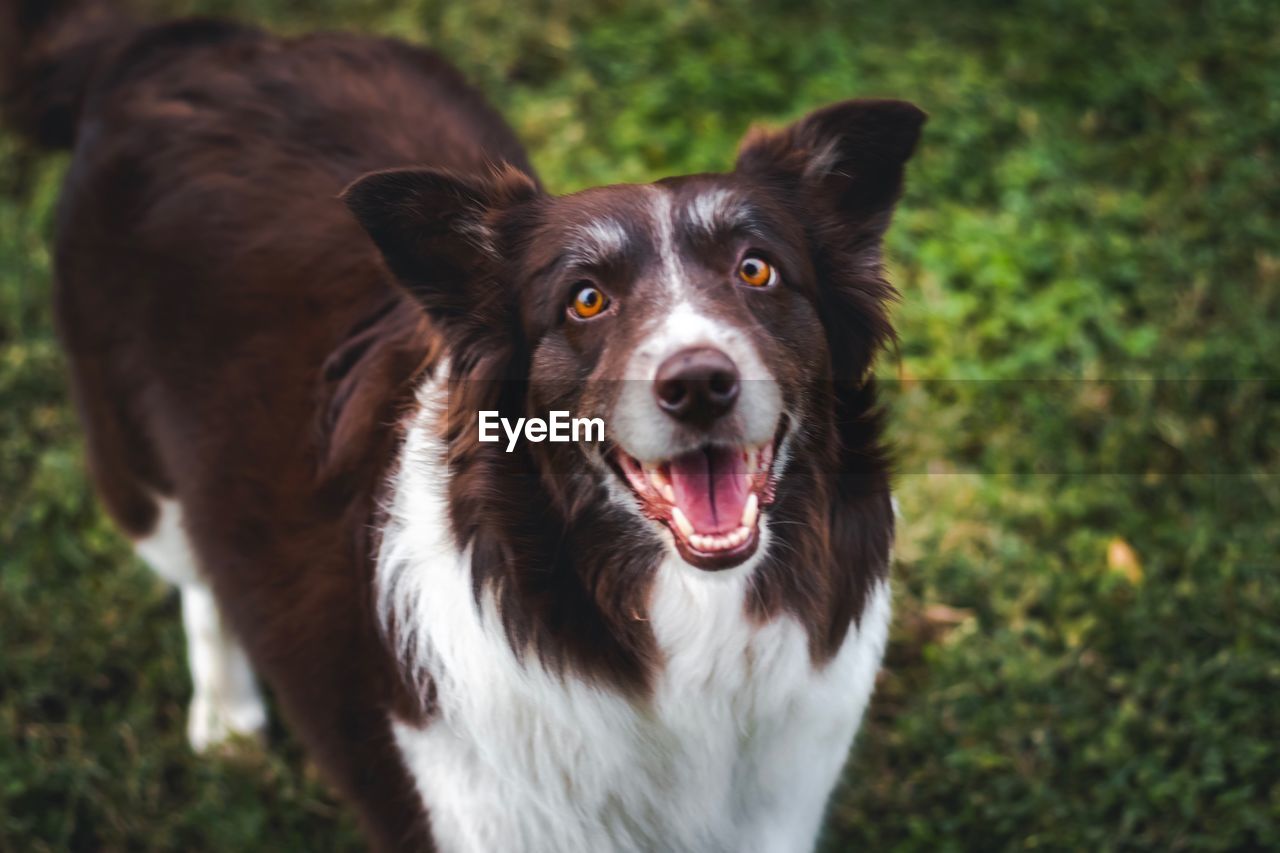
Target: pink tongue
711	488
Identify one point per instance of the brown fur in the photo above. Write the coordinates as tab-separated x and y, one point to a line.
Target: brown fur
215	299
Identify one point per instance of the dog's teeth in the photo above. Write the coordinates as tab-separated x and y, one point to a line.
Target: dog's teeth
660	482
682	524
710	541
751	512
654	476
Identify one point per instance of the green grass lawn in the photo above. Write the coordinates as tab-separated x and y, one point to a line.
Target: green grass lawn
1086	402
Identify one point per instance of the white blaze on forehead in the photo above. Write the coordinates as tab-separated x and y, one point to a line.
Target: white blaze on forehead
641	427
685	322
712	212
671	271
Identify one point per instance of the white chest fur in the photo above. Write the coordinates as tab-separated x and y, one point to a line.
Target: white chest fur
736	751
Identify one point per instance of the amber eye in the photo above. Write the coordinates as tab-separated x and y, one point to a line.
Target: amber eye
588	302
757	272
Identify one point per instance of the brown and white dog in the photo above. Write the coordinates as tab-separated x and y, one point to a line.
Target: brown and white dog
280	345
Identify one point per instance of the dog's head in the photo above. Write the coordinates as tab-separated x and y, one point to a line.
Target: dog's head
710	321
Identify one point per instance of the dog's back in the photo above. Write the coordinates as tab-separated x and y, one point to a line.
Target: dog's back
231	332
216	153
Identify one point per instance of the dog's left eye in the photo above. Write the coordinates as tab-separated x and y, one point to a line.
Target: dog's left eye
588	301
757	272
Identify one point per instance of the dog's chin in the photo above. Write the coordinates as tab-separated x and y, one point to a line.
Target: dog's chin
711	499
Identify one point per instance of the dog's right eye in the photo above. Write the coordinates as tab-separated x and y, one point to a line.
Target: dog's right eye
588	301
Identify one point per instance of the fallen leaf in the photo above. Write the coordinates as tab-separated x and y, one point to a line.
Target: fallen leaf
1123	559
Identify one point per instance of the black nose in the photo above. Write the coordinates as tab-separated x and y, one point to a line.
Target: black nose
697	385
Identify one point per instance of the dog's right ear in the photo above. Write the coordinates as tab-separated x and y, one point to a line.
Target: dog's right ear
439	234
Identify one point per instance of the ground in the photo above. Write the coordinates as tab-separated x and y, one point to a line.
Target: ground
1084	397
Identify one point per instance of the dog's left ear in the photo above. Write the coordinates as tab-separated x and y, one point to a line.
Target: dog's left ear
847	158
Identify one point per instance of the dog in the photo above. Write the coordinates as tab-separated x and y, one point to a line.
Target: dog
293	278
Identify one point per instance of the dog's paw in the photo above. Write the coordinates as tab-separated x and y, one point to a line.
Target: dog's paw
213	723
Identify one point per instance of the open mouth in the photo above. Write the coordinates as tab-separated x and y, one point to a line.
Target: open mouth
710	499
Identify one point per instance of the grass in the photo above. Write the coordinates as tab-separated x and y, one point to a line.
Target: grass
1087	648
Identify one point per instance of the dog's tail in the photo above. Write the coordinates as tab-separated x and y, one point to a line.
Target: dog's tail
50	51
